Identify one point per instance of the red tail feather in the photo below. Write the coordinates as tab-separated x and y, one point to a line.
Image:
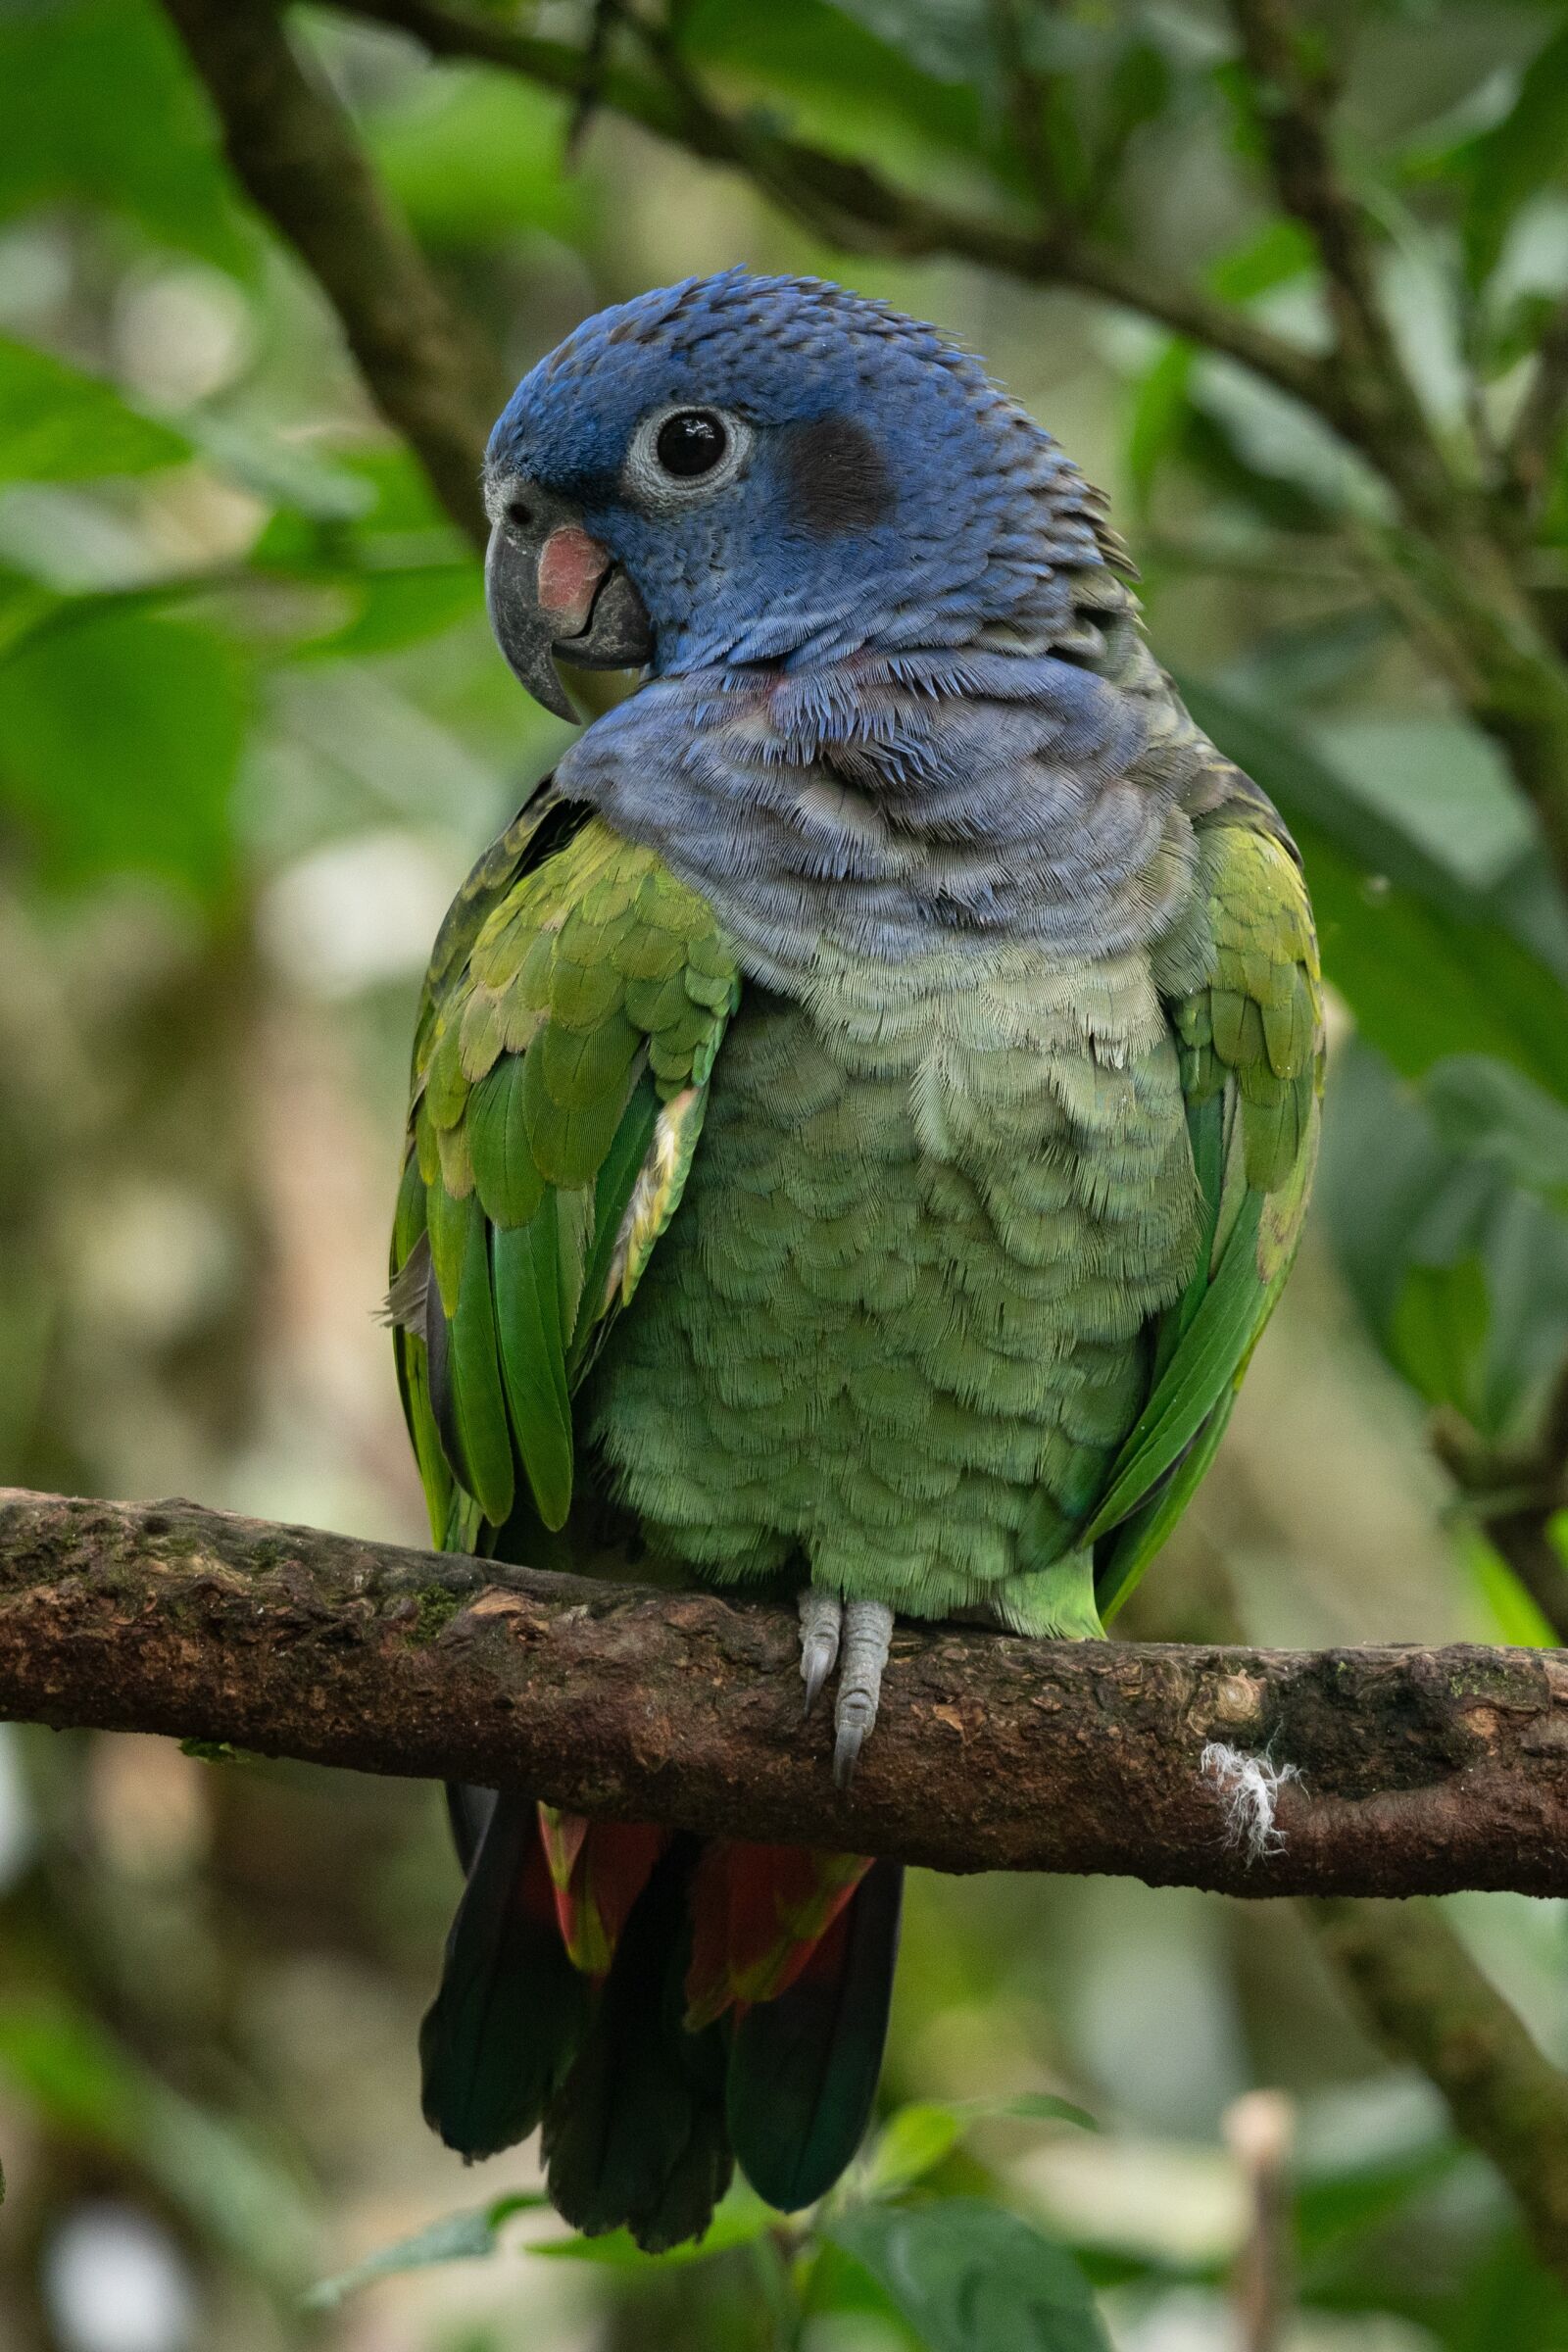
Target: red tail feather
758	1912
598	1869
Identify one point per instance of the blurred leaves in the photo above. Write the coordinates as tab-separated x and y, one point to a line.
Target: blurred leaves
475	158
919	2136
112	118
119	738
216	2176
1523	151
969	2278
1430	964
282	650
57	425
458	2238
1460	1270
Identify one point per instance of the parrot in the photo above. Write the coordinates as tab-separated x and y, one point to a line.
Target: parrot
863	1111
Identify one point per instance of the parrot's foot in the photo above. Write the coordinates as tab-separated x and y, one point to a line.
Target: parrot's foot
867	1633
821	1618
863	1630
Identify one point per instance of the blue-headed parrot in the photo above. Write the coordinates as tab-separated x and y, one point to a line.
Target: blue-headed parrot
863	1111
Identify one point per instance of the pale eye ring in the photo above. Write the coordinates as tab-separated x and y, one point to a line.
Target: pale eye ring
685	451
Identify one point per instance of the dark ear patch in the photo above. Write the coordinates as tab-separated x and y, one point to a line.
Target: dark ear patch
838	476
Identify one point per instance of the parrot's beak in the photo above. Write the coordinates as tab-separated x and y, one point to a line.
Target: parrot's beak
550	589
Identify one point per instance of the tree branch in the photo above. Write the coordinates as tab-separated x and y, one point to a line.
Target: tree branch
292	147
1423	1770
1427	2000
849	203
1386	418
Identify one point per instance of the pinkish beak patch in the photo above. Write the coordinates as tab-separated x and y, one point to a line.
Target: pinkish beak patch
571	569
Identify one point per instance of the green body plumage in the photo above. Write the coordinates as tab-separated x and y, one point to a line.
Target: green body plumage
946	1226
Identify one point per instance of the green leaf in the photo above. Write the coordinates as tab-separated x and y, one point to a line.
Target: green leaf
1525	151
119	737
876	80
1418	1224
1431	964
114	116
1443	786
60	425
969	2278
1486	1111
475	157
1162	409
917	2138
1027	2106
1438	1333
467	2236
1514	1615
913	2142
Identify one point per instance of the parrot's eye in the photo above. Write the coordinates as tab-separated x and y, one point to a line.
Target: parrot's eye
693	441
680	454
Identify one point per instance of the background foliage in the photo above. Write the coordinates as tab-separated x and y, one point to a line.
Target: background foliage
252	731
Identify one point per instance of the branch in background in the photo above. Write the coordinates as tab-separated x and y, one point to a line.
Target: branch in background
849	203
1027	95
1428	2001
1421	1770
293	149
1259	2129
1291	107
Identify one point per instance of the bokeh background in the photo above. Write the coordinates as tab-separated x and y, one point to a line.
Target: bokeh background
252	733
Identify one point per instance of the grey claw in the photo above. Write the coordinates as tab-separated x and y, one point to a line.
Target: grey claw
821	1615
867	1633
846	1753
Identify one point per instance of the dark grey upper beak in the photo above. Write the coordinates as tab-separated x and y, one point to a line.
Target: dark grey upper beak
549	589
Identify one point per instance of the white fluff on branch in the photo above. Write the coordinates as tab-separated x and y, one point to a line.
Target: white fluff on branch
1248	1788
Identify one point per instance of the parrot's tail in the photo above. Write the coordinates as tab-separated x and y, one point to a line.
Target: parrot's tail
664	2008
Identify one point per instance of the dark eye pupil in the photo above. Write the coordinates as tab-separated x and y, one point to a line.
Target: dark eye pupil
690	443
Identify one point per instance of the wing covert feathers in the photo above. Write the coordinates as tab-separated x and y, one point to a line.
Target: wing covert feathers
576	999
1250	1041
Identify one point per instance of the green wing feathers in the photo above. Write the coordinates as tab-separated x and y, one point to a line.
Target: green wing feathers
577	1001
1250	1036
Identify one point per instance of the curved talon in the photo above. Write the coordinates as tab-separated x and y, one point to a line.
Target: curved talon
867	1633
821	1616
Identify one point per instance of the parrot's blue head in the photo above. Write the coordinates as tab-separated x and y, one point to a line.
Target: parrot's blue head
746	469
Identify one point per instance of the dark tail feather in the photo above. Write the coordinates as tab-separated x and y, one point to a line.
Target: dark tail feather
507	2021
803	2069
635	2135
468	1812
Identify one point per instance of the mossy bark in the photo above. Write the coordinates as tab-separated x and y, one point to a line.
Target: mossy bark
1422	1770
